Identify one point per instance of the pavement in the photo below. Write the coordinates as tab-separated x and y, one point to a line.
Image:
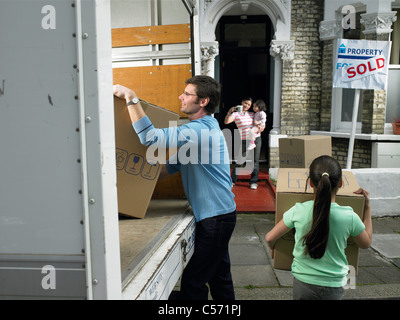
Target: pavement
255	278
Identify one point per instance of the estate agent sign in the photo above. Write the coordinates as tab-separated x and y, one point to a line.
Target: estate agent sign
361	64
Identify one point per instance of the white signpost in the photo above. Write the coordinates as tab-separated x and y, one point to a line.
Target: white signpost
360	64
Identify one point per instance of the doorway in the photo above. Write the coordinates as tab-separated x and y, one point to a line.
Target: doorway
245	66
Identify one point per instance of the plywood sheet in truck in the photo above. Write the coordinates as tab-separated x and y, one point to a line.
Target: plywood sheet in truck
160	85
139	236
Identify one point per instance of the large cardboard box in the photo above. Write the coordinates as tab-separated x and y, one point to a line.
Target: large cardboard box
300	151
290	189
136	175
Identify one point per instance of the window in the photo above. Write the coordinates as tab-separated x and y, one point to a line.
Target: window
393	93
347	106
245	34
395	37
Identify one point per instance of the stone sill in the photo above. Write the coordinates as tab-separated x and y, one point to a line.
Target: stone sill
359	136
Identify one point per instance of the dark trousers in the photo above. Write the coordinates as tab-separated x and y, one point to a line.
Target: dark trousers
306	291
256	168
210	262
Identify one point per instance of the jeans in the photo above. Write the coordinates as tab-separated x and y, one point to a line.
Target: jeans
210	262
305	291
256	163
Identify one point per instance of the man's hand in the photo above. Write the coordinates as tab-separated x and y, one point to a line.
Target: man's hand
135	112
123	92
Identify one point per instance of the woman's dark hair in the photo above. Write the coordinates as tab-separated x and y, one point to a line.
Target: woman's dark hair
207	87
261	105
325	174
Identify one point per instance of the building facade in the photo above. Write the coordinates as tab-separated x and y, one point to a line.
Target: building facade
303	52
283	51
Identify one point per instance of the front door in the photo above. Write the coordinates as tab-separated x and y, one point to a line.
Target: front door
245	65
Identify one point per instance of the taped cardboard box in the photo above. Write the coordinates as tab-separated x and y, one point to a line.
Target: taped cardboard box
290	189
136	175
300	151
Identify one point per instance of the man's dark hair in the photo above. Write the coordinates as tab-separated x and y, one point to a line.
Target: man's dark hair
207	87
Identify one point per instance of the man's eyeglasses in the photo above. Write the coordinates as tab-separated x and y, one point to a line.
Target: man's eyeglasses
187	94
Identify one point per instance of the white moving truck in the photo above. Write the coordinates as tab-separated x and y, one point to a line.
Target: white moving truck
60	234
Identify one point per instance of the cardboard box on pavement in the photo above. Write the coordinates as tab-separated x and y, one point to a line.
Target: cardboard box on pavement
136	175
300	151
290	189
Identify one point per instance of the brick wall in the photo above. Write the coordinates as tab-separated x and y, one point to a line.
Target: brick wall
307	89
326	87
374	102
361	153
301	77
274	157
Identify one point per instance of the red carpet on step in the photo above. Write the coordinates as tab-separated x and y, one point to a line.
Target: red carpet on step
249	200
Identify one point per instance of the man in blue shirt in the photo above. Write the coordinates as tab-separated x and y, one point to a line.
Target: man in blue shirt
202	158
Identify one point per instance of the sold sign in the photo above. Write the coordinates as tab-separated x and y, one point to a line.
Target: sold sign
361	64
365	68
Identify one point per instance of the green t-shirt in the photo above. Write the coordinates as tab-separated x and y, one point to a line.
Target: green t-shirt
331	270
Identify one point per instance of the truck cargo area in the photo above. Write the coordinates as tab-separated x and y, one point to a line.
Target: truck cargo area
61	235
154	249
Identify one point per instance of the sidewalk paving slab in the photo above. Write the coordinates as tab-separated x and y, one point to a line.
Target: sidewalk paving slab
255	278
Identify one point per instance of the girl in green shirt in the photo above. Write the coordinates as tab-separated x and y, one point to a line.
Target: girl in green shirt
322	227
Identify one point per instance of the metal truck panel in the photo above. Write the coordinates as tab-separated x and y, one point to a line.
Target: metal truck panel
57	165
42	277
40	145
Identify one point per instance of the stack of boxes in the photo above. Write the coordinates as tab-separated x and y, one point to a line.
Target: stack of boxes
295	157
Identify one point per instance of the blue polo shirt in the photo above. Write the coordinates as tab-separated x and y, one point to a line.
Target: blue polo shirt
202	158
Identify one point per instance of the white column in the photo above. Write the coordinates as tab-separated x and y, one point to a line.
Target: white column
276	128
378	23
209	50
280	50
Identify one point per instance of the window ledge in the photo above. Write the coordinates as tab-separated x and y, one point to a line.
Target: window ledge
359	136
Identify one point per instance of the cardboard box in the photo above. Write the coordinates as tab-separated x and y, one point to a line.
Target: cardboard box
300	151
136	177
290	189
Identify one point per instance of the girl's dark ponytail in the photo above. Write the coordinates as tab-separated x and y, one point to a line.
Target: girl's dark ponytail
325	174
